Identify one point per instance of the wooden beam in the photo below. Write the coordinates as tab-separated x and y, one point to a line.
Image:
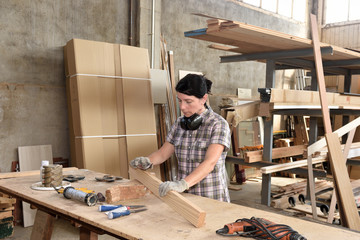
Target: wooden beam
175	200
316	146
290	165
320	74
242	112
280	152
43	226
345	154
342	182
283	97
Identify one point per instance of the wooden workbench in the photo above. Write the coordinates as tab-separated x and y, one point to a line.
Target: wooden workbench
159	221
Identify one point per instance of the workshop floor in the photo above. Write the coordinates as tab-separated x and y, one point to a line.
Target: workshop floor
249	195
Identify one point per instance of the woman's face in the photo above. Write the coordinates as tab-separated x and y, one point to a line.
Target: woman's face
191	104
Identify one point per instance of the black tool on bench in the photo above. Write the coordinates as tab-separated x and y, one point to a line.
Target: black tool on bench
73	178
108	178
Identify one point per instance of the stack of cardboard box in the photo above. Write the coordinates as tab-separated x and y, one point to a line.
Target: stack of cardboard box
111	112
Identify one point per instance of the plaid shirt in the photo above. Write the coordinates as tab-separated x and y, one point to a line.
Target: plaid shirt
190	149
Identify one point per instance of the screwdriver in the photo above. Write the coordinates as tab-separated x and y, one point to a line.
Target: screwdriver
123	211
106	208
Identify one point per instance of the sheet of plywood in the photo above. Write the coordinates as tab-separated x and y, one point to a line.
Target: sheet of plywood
30	158
158	85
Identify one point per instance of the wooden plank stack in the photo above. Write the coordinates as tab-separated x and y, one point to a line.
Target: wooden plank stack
245	38
111	112
6	216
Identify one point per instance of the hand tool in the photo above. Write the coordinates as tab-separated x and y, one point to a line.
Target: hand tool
108	178
105	208
73	178
259	228
84	195
123	211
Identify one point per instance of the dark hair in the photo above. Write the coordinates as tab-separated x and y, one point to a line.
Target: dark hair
194	85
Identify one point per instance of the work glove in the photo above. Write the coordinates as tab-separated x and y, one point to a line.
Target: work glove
178	186
142	163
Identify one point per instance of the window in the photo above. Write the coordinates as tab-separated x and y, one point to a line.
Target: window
295	9
342	11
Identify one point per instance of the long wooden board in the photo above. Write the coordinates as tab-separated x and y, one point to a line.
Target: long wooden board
175	200
290	165
280	152
342	180
350	217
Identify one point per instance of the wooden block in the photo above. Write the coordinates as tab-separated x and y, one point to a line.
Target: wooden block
342	180
5	204
175	200
126	191
6	214
7	200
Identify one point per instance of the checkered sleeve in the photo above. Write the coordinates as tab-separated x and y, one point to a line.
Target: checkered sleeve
171	135
221	134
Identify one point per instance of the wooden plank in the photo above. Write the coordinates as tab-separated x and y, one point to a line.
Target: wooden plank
320	74
279	152
243	112
43	226
340	132
290	165
175	200
342	183
29	173
333	196
283	97
172	79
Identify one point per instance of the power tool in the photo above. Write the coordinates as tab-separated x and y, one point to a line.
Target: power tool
259	228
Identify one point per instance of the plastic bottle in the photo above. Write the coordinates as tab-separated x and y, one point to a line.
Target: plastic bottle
43	163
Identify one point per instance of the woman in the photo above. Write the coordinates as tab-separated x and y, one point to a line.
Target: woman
200	140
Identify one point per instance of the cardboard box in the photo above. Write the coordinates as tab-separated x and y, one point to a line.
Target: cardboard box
112	116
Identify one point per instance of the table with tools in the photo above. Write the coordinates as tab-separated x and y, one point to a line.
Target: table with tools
155	220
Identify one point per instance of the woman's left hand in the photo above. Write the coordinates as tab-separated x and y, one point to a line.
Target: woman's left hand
167	186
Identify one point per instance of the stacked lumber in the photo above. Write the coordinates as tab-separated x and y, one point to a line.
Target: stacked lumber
292	194
6	216
241	37
111	112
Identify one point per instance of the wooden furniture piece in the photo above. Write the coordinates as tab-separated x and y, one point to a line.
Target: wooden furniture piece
158	222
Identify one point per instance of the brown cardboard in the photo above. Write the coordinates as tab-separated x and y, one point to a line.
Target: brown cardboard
134	62
105	105
90	57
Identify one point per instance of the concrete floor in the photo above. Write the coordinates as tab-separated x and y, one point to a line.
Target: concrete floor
248	195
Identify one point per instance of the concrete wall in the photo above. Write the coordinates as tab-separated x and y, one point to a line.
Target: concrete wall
33	108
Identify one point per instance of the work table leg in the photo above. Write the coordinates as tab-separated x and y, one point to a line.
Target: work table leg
43	226
86	234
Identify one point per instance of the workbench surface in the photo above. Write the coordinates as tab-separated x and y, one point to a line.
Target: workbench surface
159	221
